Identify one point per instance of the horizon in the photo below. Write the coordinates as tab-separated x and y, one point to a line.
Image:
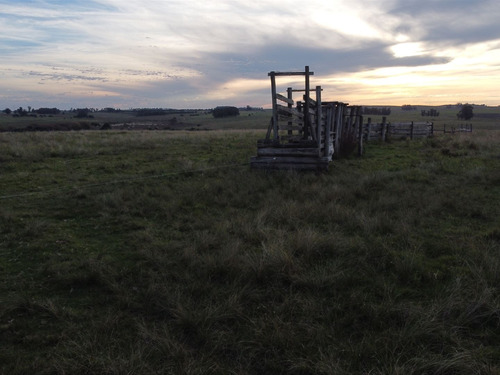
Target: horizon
194	55
269	108
266	108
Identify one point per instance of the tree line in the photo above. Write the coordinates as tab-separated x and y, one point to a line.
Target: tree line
382	111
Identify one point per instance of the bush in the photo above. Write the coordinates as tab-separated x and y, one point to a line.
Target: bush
151	112
226	111
48	111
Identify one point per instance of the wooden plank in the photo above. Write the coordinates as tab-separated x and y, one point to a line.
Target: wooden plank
290	119
284	99
290	127
312	102
277	74
274	151
304	143
291	111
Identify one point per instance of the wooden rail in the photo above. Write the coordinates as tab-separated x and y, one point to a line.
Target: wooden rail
384	130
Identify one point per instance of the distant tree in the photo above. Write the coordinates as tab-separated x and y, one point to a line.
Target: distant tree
7	111
384	111
82	113
466	113
408	107
431	113
21	112
225	111
150	112
48	111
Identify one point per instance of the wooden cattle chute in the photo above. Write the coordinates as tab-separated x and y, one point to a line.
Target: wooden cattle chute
306	134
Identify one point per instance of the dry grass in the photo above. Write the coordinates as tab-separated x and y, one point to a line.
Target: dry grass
386	264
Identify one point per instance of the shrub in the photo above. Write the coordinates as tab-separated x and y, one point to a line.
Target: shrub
226	111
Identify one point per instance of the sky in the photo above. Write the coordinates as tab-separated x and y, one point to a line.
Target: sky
203	53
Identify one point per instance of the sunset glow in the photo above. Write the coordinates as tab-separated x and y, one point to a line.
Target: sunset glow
198	54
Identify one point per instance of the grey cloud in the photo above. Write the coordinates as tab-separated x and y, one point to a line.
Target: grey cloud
324	61
449	22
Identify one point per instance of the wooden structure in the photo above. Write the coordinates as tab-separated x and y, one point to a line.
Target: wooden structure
467	128
385	130
306	134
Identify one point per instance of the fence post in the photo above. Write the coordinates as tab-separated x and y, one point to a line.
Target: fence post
275	105
411	130
368	129
360	136
306	104
384	128
318	117
289	96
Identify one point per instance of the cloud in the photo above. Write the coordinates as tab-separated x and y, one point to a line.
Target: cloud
198	53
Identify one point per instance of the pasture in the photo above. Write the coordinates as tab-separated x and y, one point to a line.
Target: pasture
149	252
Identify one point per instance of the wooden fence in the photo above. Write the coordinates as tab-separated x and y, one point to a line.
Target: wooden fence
384	130
464	128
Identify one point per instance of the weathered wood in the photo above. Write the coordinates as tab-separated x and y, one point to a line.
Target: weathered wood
275	106
304	143
298	151
312	103
384	129
291	111
277	74
290	118
290	104
284	99
360	137
319	116
307	123
290	127
338	129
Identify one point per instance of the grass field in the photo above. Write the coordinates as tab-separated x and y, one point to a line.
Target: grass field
203	120
151	252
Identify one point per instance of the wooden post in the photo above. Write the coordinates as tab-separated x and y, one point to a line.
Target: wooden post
275	106
330	113
306	104
290	105
318	117
360	136
337	128
384	129
369	129
432	128
300	109
411	130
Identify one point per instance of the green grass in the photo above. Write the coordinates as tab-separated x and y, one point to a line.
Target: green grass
447	117
162	252
201	120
